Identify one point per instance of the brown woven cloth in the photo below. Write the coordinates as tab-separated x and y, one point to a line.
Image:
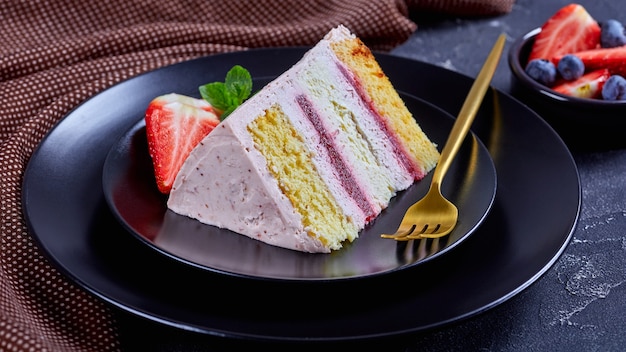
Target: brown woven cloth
462	7
56	54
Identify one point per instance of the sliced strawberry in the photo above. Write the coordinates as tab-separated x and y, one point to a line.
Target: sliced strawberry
569	30
612	58
587	86
175	124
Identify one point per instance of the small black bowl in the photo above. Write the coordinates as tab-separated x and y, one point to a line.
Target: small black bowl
584	124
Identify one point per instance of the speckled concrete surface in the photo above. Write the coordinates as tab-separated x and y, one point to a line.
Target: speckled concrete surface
580	303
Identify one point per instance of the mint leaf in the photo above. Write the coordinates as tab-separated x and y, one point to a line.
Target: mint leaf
216	94
238	83
228	95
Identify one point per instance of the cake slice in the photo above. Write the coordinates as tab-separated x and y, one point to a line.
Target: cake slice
307	162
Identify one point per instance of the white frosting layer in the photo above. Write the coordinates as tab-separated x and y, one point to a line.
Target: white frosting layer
225	184
355	131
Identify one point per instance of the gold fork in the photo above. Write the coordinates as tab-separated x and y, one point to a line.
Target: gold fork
434	216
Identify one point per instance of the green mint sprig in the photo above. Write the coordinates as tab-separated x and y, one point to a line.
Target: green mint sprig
228	95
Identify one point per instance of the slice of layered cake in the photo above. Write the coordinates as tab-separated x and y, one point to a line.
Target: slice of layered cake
310	159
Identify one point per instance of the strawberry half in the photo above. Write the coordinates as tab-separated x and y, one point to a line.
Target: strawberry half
569	30
612	58
587	86
175	124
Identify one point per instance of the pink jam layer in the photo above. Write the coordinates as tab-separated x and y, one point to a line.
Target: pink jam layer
398	148
348	181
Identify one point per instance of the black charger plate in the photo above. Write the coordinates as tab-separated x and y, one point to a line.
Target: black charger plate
530	224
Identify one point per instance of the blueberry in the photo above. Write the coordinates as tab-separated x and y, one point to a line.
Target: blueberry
612	34
614	88
542	71
570	67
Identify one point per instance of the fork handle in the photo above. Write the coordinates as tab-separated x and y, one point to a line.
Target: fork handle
468	111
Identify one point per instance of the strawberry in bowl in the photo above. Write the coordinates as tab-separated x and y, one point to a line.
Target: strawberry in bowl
561	69
569	30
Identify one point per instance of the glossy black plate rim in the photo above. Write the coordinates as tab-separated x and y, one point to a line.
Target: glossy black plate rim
453	285
470	184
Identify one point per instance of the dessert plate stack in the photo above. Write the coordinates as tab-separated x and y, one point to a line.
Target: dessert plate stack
130	190
123	245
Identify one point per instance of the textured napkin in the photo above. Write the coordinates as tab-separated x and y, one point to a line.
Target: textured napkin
56	54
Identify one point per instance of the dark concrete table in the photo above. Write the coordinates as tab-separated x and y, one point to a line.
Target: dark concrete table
580	303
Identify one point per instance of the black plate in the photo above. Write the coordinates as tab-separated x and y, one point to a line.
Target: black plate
131	192
531	221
